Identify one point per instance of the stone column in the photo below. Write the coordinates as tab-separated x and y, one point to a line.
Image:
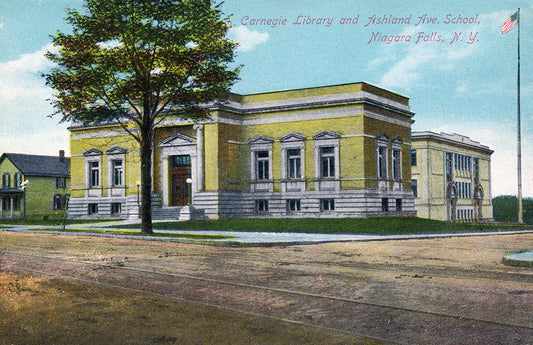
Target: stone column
199	156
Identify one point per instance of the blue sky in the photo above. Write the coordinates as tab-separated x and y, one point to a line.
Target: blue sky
456	87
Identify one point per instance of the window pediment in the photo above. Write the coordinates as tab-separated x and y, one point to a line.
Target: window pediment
382	140
396	141
326	135
116	150
92	152
291	137
260	139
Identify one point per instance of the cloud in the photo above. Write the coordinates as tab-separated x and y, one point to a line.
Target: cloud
406	63
48	141
421	58
21	78
24	108
406	71
247	39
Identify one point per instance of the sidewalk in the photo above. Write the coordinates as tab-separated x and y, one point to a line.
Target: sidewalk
236	237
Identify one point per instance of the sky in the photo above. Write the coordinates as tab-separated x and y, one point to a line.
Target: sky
449	57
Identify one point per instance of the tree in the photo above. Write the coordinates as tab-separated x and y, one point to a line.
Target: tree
137	62
504	209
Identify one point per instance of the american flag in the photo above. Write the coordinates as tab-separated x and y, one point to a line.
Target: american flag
510	23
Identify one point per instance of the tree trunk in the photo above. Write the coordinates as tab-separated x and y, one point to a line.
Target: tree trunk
146	179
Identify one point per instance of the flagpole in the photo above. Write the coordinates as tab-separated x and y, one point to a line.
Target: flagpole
518	135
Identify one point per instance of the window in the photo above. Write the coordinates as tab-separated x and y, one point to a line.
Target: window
18	179
116	161
396	165
413	157
60	182
462	162
414	186
327	157
261	206
58	202
117	172
475	168
449	164
327	161
92	170
6	180
294	163
327	204
116	208
293	205
385	205
382	162
262	164
398	205
94	174
179	161
92	209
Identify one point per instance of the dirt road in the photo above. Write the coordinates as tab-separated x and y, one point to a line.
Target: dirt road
438	291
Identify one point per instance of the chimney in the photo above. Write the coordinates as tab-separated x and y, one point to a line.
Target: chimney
61	156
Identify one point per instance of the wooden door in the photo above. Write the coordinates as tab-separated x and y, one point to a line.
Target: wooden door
179	188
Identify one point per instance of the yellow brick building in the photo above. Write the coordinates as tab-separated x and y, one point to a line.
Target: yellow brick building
451	177
333	151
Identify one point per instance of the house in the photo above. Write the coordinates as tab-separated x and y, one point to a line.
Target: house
33	186
451	177
332	151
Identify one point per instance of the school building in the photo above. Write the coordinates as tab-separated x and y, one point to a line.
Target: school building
451	177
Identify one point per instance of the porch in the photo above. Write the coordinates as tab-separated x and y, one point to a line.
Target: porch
11	203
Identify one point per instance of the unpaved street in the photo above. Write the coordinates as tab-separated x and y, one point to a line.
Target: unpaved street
438	291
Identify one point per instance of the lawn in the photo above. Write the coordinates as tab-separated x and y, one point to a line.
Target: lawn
200	237
372	225
52	222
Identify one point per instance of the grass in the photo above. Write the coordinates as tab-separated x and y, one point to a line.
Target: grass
137	233
371	225
52	222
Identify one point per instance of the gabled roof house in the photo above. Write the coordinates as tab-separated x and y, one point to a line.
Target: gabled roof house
34	186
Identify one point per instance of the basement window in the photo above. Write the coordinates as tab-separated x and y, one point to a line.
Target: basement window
261	206
92	209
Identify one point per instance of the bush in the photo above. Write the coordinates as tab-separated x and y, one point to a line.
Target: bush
505	207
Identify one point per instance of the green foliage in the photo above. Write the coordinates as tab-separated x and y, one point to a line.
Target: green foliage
136	233
52	221
505	208
138	60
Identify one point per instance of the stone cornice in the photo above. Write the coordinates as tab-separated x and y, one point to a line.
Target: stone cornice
311	102
450	139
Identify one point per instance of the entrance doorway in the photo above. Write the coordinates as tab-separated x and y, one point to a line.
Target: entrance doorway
179	176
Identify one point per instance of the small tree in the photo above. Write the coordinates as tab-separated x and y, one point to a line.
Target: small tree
137	62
